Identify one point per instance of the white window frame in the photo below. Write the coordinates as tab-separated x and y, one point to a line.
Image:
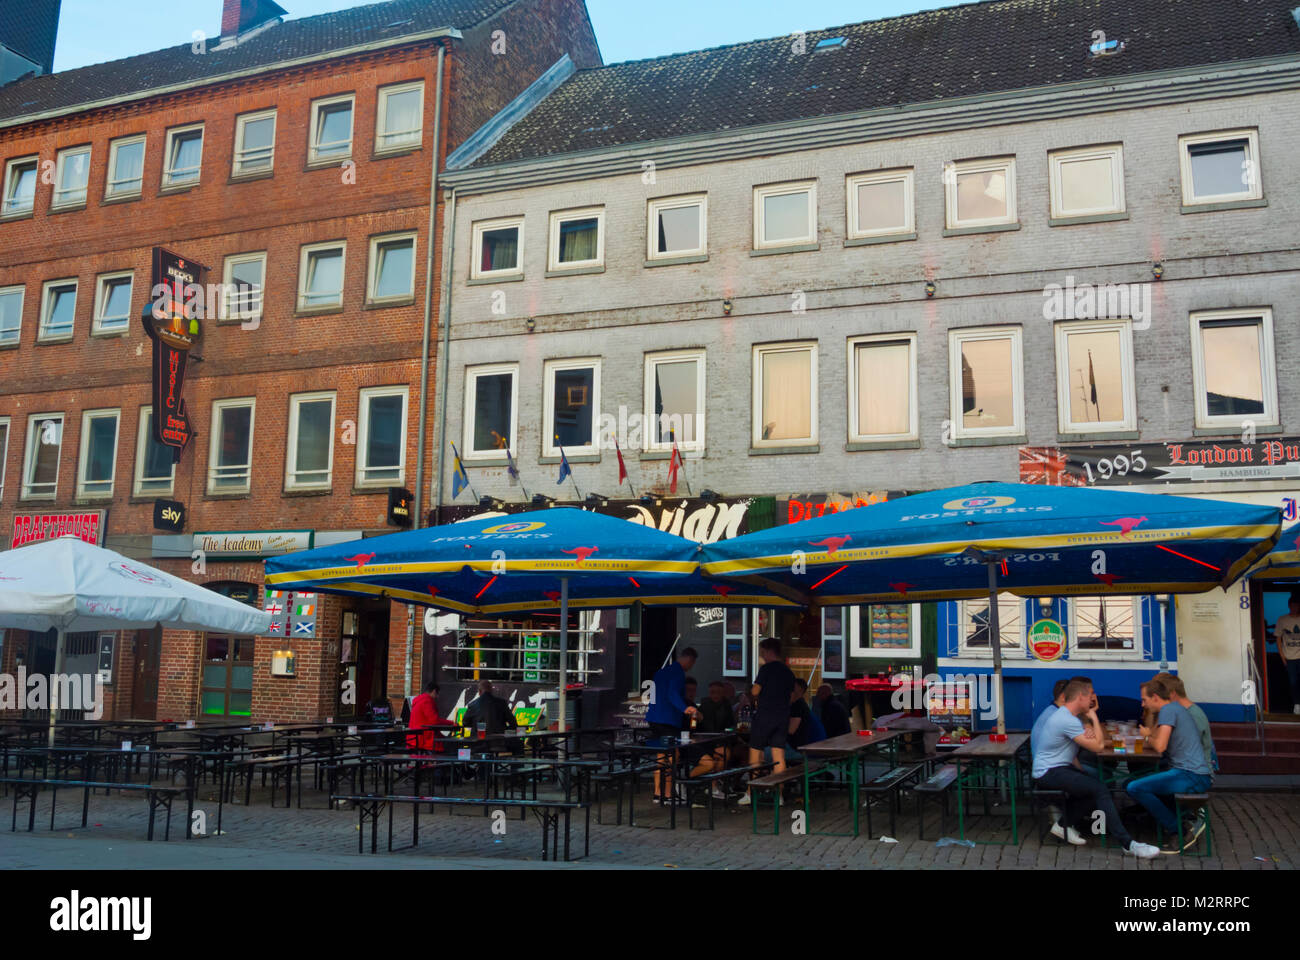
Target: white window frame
1268	373
782	189
987	165
652	360
859	643
1113	152
756	407
141	450
1253	190
82	461
655	207
1065	388
372	275
219	407
61	166
471	378
1019	653
843	637
560	217
21	290
1077	653
913	410
101	289
549	369
7	424
303	261
10	167
363	413
169	178
476	272
34	433
313	156
240	159
291	471
904	175
962	335
41	335
109	180
228	292
381	115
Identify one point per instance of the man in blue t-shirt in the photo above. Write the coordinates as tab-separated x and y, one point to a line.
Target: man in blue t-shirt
669	709
1036	733
1177	736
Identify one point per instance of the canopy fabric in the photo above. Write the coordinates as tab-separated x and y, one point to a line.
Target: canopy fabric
1283	561
70	585
515	564
1056	541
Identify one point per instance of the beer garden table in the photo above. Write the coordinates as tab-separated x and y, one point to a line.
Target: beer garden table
844	754
672	754
1000	758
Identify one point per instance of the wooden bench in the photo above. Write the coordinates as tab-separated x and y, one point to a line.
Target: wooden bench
280	766
619	777
371	806
1038	799
1192	802
707	781
157	797
775	782
937	784
889	785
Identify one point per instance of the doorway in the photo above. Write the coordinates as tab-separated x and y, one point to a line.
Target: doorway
363	661
144	691
1270	601
658	634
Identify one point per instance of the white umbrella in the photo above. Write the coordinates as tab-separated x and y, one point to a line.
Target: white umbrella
70	586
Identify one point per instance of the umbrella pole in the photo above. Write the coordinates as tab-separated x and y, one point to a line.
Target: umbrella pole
564	651
995	642
53	687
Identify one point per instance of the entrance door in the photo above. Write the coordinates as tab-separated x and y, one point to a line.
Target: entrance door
148	655
227	682
372	658
1270	601
658	633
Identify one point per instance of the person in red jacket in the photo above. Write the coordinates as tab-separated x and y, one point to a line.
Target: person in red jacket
424	713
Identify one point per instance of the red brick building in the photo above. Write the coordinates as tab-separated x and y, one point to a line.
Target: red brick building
295	159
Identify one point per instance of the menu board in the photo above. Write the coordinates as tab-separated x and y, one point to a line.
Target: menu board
889	626
948	704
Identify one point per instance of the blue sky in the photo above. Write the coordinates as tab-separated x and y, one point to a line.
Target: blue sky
92	31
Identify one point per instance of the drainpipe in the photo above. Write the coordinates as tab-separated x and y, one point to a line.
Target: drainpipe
444	318
423	418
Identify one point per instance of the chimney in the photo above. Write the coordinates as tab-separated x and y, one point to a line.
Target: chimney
27	32
240	16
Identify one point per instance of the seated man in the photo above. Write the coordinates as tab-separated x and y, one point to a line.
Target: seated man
833	714
1177	736
1085	759
424	713
1036	733
715	717
805	728
692	691
1056	768
1179	692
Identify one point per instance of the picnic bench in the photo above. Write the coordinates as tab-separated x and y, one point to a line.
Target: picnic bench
281	767
936	784
775	782
888	786
707	781
158	797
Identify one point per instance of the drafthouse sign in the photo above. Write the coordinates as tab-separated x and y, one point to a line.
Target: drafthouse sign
1197	461
34	527
172	322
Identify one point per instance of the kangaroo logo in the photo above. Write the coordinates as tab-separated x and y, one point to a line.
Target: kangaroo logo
582	553
832	544
1125	524
361	559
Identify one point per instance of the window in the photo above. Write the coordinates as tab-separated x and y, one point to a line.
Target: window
880	204
571	400
980	193
11	314
125	168
320	284
986	382
735	642
58	310
155	465
184	153
230	458
1221	167
491	399
1233	366
498	248
399	118
885	631
113	302
975	625
1087	182
1094	376
392	268
310	462
4	451
244	276
254	143
20	186
41	464
381	459
98	453
785	215
674	400
834	630
72	173
882	388
678	227
578	239
1106	625
785	395
331	130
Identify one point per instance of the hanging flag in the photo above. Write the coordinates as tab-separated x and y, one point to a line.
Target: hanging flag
459	478
275	604
510	466
674	464
565	469
622	467
304	628
1092	379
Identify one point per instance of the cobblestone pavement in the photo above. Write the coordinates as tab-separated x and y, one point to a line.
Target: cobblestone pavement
1246	826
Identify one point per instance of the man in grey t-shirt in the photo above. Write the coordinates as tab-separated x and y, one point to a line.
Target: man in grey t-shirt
1175	735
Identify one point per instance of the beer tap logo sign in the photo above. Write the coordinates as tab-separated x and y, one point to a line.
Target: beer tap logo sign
172	321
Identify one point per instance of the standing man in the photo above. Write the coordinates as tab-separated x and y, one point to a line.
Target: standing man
669	710
1176	736
1287	634
1056	768
772	689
